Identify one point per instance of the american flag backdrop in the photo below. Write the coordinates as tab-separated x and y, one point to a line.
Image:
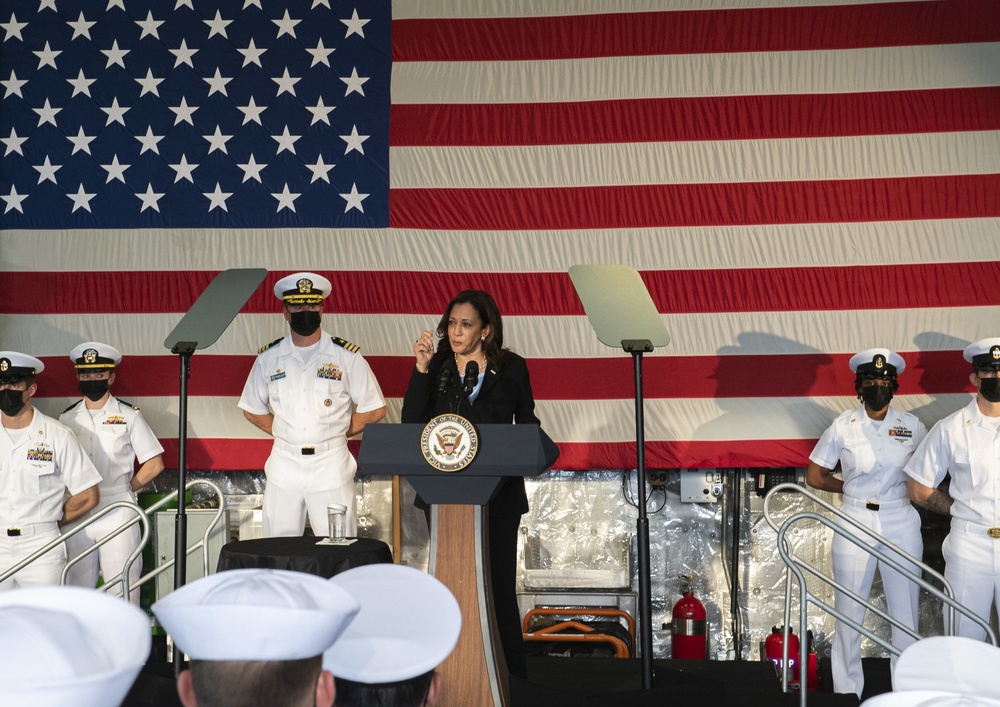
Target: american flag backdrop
794	181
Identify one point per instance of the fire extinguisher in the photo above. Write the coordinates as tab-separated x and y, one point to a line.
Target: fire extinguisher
689	640
773	649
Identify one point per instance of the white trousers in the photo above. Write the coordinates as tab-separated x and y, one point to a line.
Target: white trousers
45	570
855	569
110	558
300	484
972	566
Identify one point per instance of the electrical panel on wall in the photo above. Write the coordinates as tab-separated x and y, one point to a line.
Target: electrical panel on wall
701	486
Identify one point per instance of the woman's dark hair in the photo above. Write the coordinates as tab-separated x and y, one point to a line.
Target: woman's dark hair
489	315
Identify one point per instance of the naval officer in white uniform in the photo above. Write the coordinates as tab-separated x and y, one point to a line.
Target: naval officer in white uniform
872	443
966	445
115	435
310	391
40	460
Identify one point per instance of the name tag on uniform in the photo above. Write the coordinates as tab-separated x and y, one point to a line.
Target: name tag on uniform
278	376
329	371
115	420
901	432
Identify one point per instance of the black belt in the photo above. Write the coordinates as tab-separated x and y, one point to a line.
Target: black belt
871	505
308	450
13	532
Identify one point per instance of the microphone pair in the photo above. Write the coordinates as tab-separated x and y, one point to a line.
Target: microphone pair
468	382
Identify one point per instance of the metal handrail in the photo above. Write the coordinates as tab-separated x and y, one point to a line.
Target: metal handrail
141	517
201	544
794	565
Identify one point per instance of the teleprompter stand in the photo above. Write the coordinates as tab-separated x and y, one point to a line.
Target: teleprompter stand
623	315
209	316
476	672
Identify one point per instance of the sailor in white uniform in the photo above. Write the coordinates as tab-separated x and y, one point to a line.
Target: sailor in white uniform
871	443
40	460
115	436
966	445
310	391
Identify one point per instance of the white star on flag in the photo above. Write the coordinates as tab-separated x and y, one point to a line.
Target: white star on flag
354	82
183	54
251	112
81	200
354	199
149	26
46	114
286	25
13	200
149	199
184	112
13	29
354	141
47	171
286	141
13	85
149	141
149	84
218	25
115	170
217	199
115	55
320	170
286	84
217	141
217	83
81	84
320	112
286	200
14	143
47	57
251	55
81	142
320	54
81	28
354	25
116	113
251	170
184	170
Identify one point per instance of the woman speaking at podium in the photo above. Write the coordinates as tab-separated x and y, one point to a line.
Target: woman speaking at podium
471	374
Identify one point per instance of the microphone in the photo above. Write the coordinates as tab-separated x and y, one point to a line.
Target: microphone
444	379
471	376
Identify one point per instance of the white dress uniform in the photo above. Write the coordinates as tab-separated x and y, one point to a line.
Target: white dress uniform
872	455
966	444
312	392
114	437
37	464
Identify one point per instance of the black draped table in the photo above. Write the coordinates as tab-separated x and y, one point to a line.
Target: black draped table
302	555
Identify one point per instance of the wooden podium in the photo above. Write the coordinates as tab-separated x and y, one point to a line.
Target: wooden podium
476	672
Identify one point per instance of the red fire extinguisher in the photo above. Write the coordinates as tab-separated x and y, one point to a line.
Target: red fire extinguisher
773	649
689	639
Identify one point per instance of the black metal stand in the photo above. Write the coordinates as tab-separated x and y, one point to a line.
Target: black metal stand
637	347
184	351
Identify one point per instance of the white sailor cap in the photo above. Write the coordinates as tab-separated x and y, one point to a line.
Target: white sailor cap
15	365
408	624
69	646
984	353
878	363
95	356
302	288
949	663
256	614
929	698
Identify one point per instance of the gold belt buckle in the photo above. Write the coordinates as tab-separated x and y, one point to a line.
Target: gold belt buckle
994	533
309	450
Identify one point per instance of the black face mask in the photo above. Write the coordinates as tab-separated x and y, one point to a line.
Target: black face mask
11	401
876	397
989	388
305	323
93	389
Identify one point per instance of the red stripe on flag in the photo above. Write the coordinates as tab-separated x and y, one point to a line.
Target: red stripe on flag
239	454
540	294
713	118
696	32
724	376
660	205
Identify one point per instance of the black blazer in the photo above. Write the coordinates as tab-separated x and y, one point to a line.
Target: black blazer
504	397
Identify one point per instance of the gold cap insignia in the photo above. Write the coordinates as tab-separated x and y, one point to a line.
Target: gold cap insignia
305	286
4	365
879	362
995	353
90	355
